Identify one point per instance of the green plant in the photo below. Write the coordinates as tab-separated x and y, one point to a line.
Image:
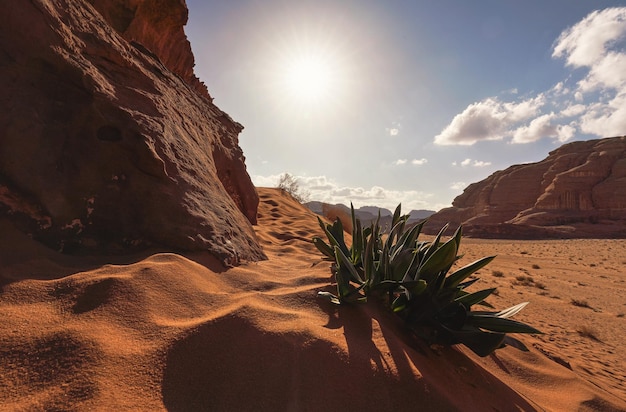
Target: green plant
413	277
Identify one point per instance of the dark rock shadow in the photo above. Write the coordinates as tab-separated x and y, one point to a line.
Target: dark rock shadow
22	257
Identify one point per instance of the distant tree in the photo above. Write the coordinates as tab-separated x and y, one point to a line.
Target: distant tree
290	184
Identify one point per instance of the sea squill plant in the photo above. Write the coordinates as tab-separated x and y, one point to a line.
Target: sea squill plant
414	278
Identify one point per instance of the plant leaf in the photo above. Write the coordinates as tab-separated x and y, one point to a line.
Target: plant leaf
441	259
480	342
460	275
498	324
343	261
457	237
435	244
329	296
474	298
324	247
512	311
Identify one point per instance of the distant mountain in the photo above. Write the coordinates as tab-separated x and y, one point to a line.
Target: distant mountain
367	214
374	211
578	191
420	214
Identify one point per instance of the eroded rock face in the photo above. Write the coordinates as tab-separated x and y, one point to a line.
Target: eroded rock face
579	190
158	26
106	147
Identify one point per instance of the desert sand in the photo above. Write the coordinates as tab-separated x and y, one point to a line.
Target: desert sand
179	332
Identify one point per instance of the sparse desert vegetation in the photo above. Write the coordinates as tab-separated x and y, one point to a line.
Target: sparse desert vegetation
581	303
588	332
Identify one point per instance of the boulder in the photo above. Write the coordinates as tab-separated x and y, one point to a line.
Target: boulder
107	143
579	190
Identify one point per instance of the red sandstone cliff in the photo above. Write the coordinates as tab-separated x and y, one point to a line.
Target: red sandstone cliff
108	142
579	190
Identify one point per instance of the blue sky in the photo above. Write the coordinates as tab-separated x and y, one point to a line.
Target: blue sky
382	102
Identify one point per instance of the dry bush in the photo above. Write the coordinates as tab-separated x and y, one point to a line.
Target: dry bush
588	332
290	184
580	303
497	273
524	280
332	212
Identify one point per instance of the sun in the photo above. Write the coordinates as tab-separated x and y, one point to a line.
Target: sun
309	78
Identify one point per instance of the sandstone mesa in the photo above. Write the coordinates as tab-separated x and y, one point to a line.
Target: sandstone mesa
578	191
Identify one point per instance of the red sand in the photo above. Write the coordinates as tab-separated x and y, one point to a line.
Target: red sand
166	331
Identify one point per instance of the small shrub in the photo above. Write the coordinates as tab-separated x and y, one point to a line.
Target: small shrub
536	266
290	184
540	285
588	332
497	273
413	277
620	315
524	280
580	303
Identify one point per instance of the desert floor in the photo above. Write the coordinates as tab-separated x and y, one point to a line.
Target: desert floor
167	331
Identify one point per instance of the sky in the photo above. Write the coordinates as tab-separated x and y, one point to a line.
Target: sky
387	102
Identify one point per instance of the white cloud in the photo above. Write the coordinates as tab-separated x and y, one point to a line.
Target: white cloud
573	110
587	42
326	190
475	163
487	120
595	44
606	119
458	185
538	128
419	162
400	162
394	130
265	181
609	72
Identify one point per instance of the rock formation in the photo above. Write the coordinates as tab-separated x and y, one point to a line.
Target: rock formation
579	190
108	142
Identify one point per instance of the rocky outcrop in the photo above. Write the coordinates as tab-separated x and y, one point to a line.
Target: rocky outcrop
157	25
579	190
106	144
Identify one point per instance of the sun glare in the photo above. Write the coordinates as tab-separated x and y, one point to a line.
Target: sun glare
309	79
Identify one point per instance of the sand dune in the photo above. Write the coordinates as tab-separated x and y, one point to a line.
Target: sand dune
165	331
